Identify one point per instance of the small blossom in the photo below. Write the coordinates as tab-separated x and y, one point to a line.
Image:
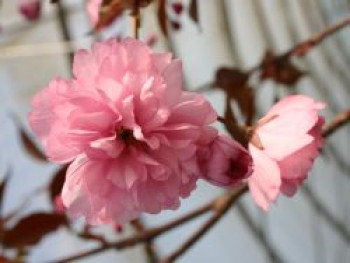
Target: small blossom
225	162
283	146
30	9
93	10
131	133
59	206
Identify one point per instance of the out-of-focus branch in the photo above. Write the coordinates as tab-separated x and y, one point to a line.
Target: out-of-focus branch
221	206
338	121
62	19
152	233
150	248
304	47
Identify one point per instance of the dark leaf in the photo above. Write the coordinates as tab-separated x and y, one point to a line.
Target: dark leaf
2	189
3	259
109	11
194	11
232	126
57	182
162	17
177	7
175	25
30	146
235	83
280	69
30	230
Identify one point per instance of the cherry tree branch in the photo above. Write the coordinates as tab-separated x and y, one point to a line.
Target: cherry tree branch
221	206
150	248
338	121
302	48
218	206
149	234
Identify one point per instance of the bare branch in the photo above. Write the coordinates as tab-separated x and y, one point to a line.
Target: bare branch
338	121
222	205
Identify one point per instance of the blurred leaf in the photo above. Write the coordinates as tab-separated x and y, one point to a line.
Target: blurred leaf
30	146
57	182
235	83
175	25
109	11
162	17
232	126
112	9
2	189
177	7
3	259
194	11
31	229
280	69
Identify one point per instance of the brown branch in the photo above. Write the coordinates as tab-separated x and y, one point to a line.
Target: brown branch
148	235
338	121
63	23
221	206
136	18
150	248
304	47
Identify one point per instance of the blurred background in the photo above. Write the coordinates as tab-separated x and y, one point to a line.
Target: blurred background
314	226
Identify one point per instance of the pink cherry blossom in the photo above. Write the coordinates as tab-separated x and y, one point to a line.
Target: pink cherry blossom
93	10
283	146
225	162
129	130
30	9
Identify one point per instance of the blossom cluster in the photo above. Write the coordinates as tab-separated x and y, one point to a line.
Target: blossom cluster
137	142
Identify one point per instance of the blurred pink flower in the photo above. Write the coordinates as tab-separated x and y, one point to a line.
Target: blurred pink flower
283	146
30	9
225	162
131	132
93	10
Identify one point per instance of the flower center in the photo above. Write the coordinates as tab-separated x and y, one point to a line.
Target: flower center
126	135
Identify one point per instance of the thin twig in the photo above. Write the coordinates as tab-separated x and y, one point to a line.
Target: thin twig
62	19
304	47
148	235
136	18
221	207
338	121
150	248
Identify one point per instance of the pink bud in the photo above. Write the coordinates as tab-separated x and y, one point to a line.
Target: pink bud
226	163
151	40
177	7
118	228
59	207
30	9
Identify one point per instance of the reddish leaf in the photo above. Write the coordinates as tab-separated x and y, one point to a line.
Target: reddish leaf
30	230
175	25
231	125
280	69
57	182
3	259
2	188
30	146
109	11
162	17
177	7
194	11
235	83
